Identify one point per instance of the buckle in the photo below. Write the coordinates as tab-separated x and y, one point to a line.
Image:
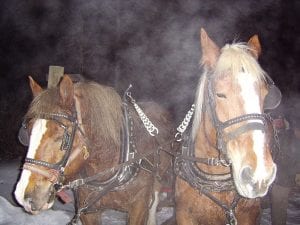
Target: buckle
76	183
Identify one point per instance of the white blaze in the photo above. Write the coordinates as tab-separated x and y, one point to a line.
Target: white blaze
252	105
38	130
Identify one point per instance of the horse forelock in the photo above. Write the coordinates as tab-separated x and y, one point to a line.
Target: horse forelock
233	59
46	102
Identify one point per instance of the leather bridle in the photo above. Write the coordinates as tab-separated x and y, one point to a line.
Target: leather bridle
223	137
55	171
186	162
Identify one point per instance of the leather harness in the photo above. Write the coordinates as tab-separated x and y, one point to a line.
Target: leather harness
124	172
186	161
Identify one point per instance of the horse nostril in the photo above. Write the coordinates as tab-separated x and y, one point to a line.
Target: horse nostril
33	207
246	175
32	204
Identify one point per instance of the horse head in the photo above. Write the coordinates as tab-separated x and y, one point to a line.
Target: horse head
55	139
235	93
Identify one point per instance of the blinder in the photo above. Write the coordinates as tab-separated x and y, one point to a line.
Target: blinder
23	134
274	96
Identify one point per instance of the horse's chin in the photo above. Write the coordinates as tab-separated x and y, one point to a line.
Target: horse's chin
249	191
45	207
254	190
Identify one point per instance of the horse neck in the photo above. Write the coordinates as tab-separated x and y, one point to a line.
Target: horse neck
205	145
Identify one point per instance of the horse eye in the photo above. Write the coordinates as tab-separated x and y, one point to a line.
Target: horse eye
220	95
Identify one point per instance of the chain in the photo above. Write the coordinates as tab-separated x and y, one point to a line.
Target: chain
231	217
275	152
152	130
184	124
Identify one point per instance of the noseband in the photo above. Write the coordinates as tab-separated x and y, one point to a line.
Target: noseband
55	174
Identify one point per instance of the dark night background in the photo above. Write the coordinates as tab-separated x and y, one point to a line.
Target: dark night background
152	44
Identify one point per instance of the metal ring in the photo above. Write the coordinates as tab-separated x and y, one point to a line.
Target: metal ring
178	136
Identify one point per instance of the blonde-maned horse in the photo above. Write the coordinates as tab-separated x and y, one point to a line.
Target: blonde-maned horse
85	137
225	163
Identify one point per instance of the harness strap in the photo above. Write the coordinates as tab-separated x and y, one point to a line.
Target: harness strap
83	181
88	204
239	119
207	161
229	210
243	129
41	163
52	174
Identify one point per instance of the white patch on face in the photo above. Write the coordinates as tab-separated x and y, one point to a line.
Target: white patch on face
252	105
248	92
38	130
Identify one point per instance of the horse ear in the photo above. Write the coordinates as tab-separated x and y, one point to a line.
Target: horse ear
35	87
210	51
254	45
66	91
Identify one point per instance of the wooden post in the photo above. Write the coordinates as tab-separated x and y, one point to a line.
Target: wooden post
54	76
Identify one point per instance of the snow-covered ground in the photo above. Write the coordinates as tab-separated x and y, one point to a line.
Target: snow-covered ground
12	214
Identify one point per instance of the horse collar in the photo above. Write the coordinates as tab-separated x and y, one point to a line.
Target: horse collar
186	167
205	183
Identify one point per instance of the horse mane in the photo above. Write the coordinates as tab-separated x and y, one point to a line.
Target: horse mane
101	110
233	59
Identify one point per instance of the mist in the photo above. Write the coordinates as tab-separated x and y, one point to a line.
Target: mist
151	44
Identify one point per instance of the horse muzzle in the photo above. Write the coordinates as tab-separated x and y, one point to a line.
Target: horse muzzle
250	185
35	203
34	207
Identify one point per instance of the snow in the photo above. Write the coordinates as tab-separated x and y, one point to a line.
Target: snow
12	214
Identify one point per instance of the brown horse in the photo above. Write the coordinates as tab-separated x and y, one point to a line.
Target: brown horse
225	162
84	137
